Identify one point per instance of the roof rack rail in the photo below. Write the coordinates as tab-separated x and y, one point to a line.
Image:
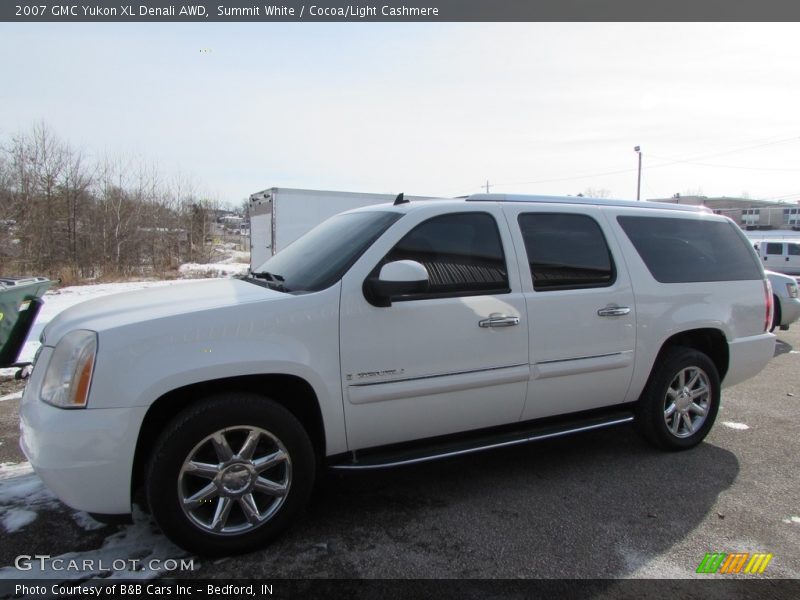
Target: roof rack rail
583	200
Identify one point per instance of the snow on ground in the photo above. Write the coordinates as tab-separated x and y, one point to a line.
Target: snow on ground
13	396
135	551
735	425
16	518
22	495
226	262
194	270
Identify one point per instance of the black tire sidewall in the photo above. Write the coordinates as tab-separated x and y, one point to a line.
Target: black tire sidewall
776	313
186	431
650	413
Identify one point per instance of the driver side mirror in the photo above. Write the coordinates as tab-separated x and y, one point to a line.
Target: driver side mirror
398	278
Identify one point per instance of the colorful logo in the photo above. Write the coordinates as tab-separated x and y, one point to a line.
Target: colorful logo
739	562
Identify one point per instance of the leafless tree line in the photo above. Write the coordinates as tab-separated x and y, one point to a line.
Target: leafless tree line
65	215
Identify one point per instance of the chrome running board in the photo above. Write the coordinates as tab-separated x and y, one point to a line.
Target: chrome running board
377	460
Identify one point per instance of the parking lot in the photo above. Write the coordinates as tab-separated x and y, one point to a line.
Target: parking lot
598	505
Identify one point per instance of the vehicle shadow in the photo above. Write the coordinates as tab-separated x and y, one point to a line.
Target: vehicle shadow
598	505
782	347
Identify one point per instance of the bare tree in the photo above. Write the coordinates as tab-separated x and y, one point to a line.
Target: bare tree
597	193
61	214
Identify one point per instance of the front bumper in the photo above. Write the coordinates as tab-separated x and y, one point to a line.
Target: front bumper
84	456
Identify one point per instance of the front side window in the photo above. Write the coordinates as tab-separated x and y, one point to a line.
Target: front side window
566	251
462	253
775	249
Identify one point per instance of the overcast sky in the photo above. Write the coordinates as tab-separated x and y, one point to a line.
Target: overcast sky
422	108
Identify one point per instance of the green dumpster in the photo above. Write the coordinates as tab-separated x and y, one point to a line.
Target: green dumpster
20	301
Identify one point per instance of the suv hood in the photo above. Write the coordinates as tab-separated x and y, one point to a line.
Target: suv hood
126	308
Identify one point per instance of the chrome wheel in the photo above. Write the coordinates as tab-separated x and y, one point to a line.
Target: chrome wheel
687	402
234	480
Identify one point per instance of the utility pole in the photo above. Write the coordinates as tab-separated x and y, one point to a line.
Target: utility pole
638	150
487	186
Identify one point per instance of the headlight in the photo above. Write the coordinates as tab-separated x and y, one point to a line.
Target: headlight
69	374
791	290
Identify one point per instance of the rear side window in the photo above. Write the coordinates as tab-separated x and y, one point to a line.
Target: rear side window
794	249
566	251
691	250
774	248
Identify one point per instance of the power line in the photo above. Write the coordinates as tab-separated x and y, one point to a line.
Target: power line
669	162
738	167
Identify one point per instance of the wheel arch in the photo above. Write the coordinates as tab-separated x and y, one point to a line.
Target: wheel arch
294	393
711	342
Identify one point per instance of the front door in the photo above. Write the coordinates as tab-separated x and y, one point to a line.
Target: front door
436	363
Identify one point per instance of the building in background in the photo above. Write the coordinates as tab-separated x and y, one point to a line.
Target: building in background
749	214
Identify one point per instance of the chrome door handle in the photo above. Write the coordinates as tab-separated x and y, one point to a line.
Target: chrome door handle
613	311
499	321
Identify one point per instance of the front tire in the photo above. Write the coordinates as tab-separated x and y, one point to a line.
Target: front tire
680	402
228	474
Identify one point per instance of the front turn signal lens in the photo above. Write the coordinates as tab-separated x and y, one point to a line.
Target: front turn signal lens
69	374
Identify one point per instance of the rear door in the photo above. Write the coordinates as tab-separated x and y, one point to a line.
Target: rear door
581	310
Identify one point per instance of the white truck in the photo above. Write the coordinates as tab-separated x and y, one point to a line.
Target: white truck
278	216
782	256
392	335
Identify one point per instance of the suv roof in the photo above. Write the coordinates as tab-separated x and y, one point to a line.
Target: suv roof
582	200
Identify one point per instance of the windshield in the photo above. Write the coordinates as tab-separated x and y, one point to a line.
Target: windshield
321	257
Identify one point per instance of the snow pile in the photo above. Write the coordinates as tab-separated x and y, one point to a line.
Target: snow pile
227	261
209	270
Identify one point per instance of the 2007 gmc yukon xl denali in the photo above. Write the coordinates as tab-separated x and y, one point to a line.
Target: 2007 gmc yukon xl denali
390	335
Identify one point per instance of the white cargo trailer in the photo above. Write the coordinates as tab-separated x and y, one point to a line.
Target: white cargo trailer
278	216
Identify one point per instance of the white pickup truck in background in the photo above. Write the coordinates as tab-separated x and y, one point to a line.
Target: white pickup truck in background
782	256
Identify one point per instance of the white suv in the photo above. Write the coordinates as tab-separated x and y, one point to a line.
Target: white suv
391	335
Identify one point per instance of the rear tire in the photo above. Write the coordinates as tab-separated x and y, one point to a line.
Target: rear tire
229	473
680	401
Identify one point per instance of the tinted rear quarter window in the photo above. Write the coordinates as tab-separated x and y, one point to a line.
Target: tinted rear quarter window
691	250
